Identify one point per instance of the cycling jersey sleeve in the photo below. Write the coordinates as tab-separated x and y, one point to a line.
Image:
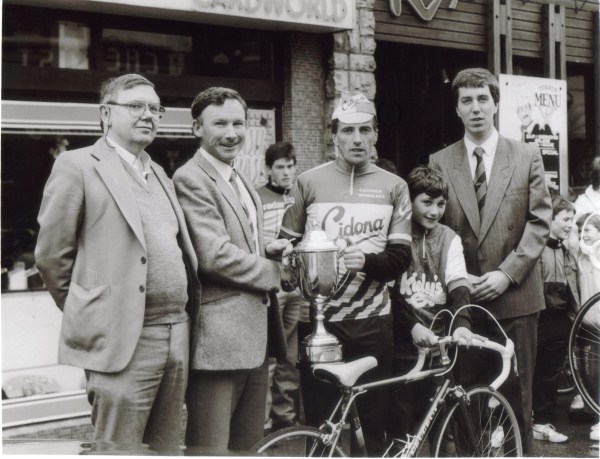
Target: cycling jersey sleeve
389	264
400	225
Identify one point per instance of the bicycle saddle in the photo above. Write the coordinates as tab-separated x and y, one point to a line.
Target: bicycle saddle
344	373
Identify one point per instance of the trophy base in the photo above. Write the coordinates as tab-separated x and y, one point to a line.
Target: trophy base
321	353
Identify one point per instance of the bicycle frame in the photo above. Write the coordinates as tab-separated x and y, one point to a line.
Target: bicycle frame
346	406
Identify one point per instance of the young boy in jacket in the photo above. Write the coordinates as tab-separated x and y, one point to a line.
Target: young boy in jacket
559	272
436	279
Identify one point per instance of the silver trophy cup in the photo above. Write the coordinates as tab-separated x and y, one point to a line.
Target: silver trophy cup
314	265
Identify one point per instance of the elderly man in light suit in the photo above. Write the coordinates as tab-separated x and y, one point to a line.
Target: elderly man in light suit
115	254
229	366
499	205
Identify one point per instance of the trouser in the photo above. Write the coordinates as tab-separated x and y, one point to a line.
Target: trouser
143	403
409	402
553	340
283	374
359	338
226	409
476	367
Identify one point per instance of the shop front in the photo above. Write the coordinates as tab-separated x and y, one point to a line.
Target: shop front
422	45
54	59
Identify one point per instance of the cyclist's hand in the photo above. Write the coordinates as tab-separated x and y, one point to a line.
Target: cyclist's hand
354	258
466	336
423	336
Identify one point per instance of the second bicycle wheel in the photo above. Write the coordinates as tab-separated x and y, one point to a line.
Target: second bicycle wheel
483	425
584	352
298	441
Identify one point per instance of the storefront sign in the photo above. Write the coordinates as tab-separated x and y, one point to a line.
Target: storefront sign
298	14
425	12
535	110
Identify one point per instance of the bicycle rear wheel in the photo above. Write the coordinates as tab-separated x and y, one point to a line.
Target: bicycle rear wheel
482	425
297	441
584	352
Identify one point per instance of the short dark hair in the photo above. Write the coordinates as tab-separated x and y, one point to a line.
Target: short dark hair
595	173
424	179
215	96
335	124
559	204
279	150
111	87
475	78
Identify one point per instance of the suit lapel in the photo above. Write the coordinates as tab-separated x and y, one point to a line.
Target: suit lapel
462	181
229	196
113	175
502	170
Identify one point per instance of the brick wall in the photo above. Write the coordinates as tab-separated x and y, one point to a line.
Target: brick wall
304	108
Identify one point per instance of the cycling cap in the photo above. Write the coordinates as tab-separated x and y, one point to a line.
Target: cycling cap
354	109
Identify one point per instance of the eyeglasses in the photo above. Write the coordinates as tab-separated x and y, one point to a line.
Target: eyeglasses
139	108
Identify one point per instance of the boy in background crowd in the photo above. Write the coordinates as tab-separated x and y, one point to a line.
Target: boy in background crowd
559	272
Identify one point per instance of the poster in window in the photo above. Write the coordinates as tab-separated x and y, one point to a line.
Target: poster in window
534	110
73	45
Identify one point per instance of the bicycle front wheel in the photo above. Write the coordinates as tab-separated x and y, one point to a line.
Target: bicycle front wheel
584	352
481	425
297	441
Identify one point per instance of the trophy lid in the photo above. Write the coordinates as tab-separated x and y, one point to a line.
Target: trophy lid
315	240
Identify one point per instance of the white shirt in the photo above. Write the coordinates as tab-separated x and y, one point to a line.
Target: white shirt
224	170
489	151
140	163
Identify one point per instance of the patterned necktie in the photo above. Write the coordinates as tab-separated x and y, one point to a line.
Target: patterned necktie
236	188
480	179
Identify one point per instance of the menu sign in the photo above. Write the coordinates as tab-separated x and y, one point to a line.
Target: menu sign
534	110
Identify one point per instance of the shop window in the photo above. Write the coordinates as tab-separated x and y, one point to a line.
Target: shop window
50	43
36	37
131	51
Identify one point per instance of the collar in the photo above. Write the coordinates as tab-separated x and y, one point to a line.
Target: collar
130	158
223	169
489	145
347	168
553	243
276	189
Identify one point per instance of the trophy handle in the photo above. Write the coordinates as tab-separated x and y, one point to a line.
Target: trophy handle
290	268
348	273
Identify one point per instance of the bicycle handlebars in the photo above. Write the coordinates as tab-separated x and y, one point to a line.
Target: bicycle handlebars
507	352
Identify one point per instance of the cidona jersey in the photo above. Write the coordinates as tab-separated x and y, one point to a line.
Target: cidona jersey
369	209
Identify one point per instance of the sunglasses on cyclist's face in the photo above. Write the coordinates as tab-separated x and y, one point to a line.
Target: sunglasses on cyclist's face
137	109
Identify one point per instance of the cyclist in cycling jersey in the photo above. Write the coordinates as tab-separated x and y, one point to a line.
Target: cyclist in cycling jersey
353	200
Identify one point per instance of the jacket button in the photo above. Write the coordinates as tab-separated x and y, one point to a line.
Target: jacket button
142	289
510	227
143	260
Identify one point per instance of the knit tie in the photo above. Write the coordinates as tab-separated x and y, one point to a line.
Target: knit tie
480	179
236	188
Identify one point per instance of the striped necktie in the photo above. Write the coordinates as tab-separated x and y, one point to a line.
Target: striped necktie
480	179
236	188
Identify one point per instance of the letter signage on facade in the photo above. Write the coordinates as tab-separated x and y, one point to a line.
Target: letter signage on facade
309	15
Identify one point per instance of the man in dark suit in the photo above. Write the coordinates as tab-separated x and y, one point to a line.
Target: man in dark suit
113	249
229	367
499	205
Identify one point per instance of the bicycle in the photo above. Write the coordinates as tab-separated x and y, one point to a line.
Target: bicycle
474	422
584	352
